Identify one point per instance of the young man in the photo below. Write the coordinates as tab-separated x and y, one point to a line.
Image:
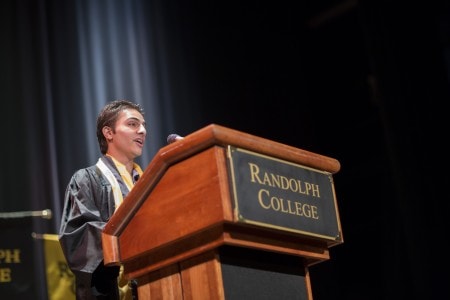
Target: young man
94	193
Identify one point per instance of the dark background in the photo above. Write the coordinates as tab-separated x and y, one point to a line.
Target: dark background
365	82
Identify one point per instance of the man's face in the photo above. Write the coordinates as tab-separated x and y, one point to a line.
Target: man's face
127	139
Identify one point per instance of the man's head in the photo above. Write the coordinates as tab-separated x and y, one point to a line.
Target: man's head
110	114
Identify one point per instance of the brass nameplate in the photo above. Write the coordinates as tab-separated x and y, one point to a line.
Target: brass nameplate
281	195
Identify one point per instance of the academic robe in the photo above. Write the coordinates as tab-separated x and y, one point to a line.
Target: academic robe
88	205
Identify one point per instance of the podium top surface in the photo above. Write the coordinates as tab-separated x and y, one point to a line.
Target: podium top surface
222	136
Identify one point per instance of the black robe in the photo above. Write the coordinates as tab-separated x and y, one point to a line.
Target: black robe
88	205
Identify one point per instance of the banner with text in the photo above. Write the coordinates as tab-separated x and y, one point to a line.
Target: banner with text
17	261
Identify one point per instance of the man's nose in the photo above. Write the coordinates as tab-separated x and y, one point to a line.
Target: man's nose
142	129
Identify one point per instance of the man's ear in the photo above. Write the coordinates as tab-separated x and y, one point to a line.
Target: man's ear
107	132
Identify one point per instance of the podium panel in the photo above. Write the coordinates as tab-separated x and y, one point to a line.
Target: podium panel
253	274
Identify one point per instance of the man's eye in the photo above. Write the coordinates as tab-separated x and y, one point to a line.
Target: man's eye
135	124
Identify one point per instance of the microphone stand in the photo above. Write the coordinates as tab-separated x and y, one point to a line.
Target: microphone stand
46	214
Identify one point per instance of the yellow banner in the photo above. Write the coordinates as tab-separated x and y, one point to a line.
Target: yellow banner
60	280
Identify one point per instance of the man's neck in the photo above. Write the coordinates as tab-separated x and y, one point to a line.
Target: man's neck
129	164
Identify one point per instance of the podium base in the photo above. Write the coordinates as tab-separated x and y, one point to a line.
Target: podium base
230	272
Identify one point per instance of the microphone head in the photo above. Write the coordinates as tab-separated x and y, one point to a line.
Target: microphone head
173	138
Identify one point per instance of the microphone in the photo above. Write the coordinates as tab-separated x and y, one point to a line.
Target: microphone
173	138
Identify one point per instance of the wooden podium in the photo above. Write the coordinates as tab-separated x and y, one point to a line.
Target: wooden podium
188	231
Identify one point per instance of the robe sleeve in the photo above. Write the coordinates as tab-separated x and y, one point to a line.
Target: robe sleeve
88	205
